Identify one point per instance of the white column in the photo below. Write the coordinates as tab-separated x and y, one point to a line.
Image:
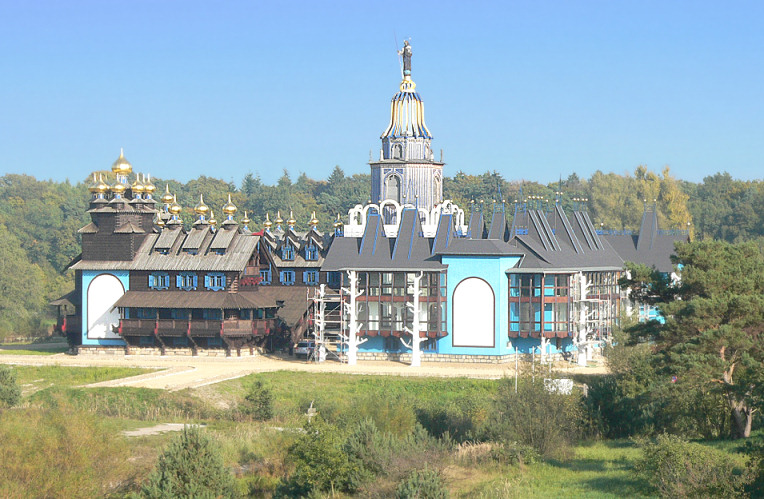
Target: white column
352	312
416	340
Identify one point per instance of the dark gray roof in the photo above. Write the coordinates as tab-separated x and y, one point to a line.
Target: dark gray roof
410	250
650	247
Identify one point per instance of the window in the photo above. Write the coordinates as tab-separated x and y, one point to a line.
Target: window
287	277
335	279
429	345
215	281
287	252
311	253
159	281
265	276
212	314
310	277
186	281
393	188
392	344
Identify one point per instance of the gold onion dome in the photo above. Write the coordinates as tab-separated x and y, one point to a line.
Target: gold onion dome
313	220
93	188
101	187
158	220
279	220
291	220
201	208
138	186
148	187
167	198
122	166
338	223
229	208
118	187
246	219
174	208
267	224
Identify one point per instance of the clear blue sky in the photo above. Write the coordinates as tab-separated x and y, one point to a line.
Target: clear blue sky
533	89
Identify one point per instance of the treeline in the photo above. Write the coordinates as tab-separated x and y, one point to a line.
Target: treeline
39	218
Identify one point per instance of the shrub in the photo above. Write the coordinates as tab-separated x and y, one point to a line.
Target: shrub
535	417
422	484
258	402
190	467
319	462
677	468
10	393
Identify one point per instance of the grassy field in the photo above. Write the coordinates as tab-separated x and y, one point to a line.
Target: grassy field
256	452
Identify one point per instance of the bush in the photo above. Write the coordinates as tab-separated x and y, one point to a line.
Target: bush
10	393
319	462
258	402
677	468
190	467
422	484
535	417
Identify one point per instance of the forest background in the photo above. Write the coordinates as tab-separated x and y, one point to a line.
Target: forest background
39	219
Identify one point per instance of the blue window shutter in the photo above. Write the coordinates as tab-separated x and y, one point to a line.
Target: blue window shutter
222	282
305	275
152	281
281	276
195	280
207	282
178	281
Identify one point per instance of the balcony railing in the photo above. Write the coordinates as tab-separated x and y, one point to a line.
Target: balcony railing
195	327
68	324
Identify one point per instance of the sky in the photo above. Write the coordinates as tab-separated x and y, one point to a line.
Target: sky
532	89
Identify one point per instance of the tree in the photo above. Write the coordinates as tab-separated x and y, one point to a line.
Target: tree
711	341
258	402
10	393
190	467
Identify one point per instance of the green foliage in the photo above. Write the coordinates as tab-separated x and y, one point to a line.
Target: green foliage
258	402
60	452
319	462
677	468
190	467
10	392
422	484
534	416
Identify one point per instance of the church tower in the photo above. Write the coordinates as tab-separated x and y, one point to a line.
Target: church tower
407	171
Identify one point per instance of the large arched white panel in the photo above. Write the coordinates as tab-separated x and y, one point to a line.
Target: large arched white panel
103	292
473	309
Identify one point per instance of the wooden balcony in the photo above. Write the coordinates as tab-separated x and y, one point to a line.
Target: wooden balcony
195	327
68	324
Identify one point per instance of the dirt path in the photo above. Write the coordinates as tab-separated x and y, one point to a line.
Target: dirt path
193	372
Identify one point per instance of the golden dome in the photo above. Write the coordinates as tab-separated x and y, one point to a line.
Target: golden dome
229	208
267	224
279	220
291	220
148	187
338	223
118	187
246	219
122	166
167	198
101	187
313	220
201	208
158	220
93	188
175	208
138	186
213	222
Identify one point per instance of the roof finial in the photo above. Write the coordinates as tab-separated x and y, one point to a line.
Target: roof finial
405	54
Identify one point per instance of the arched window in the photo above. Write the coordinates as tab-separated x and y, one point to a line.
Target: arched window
393	188
474	312
397	151
103	292
437	191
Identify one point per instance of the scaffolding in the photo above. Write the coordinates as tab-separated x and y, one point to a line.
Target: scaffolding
327	325
591	316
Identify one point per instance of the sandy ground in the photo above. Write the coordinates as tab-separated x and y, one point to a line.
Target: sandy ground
177	373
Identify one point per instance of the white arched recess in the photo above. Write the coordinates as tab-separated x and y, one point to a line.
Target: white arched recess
473	307
103	292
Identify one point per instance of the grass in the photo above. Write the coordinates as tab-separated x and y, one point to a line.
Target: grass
35	378
48	351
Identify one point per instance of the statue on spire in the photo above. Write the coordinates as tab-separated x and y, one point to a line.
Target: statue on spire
405	52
